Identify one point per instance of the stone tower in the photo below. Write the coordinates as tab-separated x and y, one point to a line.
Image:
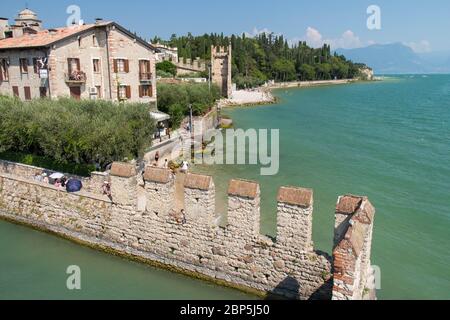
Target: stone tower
221	69
28	18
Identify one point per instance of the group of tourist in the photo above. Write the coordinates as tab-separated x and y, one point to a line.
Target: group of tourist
45	178
184	167
59	180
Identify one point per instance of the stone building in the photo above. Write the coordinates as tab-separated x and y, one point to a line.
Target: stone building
102	60
221	69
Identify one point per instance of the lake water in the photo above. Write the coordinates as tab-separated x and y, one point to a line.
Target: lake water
388	140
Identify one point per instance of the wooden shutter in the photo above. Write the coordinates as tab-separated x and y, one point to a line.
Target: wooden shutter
27	91
115	65
141	92
126	66
78	65
150	92
2	66
35	65
15	91
128	90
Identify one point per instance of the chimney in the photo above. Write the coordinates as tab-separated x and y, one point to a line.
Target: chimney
98	20
52	31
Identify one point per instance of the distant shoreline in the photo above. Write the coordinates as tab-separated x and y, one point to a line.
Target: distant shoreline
264	96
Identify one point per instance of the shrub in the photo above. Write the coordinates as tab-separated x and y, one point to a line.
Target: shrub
167	67
79	132
174	99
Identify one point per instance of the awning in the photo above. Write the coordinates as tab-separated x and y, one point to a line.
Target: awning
159	116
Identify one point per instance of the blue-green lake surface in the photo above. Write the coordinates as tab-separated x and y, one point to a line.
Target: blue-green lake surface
388	140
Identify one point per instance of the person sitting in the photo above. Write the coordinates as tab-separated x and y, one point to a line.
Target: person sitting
63	181
106	188
45	178
184	167
58	183
38	177
166	164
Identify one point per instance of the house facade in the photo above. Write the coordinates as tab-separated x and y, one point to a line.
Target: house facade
93	61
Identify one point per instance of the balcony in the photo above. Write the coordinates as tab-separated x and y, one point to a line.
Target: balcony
145	76
75	78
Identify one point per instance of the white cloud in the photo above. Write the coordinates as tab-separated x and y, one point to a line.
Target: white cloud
313	37
348	40
419	47
256	32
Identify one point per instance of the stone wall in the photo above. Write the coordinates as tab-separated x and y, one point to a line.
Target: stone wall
92	184
352	249
141	221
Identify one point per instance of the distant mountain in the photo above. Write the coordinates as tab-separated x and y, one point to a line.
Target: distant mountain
396	58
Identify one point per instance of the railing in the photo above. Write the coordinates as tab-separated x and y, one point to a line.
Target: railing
75	77
145	76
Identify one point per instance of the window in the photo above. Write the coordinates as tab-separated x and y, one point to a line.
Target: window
8	34
96	65
15	91
124	92
94	41
23	65
4	75
144	70
99	92
145	91
43	92
121	66
36	65
27	92
73	65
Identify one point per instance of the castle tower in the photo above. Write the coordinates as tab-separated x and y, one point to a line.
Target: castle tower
221	69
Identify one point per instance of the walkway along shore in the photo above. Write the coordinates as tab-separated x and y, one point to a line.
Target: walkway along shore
263	95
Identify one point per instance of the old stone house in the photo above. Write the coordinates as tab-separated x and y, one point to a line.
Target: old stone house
102	60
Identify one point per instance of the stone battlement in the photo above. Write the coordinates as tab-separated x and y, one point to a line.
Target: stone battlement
141	220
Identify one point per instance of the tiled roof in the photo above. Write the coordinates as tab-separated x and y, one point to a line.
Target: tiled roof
157	175
296	196
200	182
243	188
124	170
45	37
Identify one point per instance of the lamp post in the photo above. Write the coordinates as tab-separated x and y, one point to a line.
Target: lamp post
191	129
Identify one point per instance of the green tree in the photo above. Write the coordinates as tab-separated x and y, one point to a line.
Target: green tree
167	67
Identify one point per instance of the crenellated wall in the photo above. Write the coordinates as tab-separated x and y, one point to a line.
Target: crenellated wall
142	221
352	249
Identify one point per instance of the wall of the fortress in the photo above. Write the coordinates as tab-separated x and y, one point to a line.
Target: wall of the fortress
141	221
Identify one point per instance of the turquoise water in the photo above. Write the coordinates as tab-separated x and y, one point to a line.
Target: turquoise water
33	266
388	140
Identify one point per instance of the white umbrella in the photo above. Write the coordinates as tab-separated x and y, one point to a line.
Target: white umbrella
56	175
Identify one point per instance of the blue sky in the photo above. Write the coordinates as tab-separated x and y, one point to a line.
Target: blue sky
421	24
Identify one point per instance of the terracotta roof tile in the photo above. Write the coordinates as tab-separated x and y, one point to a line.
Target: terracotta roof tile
296	196
195	181
348	204
124	170
243	188
157	175
45	37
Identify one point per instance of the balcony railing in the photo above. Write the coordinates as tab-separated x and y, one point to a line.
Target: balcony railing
145	76
75	77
